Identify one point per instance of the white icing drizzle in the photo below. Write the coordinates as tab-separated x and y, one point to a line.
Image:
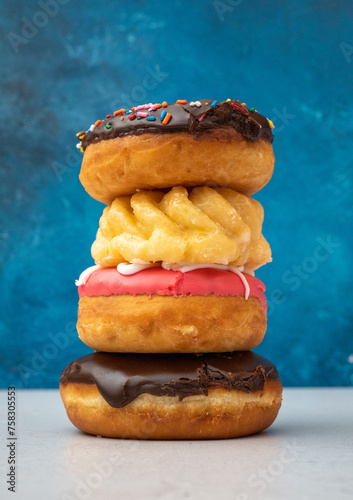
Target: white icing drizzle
127	269
136	266
86	274
237	271
186	267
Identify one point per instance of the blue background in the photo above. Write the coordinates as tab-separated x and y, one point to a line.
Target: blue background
291	60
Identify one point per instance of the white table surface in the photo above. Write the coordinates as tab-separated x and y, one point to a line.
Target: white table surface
306	454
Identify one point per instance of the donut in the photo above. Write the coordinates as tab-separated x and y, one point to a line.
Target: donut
205	225
155	310
155	146
171	396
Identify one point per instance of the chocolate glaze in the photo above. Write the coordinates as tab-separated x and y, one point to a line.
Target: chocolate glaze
185	118
122	377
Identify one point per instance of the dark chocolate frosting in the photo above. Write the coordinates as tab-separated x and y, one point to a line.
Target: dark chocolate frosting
204	116
122	377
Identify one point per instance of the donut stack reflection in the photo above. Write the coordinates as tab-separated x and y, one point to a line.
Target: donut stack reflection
172	306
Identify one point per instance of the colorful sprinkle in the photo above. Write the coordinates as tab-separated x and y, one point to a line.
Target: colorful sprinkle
132	117
167	119
228	100
181	101
142	114
202	117
252	110
243	104
198	104
151	118
119	112
214	104
92	127
108	116
239	108
121	118
82	150
139	118
270	122
158	106
108	126
164	104
163	115
97	123
143	106
191	103
80	133
206	103
81	137
78	145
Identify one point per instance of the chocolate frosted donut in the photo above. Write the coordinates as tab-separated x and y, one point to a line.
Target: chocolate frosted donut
171	396
153	146
206	115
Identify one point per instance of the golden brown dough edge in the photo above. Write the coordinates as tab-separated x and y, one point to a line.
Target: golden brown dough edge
157	324
116	167
221	414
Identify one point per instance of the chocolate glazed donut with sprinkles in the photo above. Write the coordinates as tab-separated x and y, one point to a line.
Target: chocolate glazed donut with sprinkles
161	145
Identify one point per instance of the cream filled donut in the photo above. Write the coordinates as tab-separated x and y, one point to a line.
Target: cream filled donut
171	396
156	310
213	226
154	146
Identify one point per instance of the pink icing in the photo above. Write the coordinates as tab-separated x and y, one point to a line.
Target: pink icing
156	280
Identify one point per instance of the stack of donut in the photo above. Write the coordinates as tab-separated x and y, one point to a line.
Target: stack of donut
172	306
